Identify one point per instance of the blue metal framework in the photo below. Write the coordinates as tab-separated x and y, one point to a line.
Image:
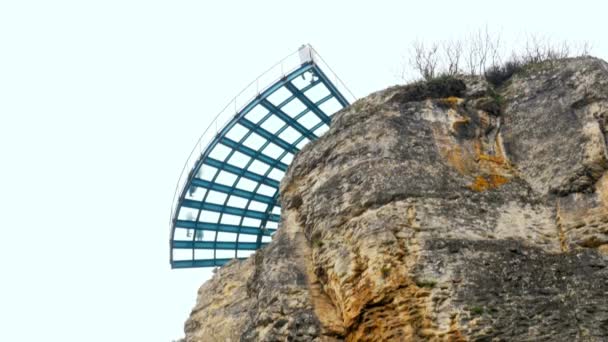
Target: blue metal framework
229	205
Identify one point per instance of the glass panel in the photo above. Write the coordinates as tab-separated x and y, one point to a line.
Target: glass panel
258	167
256	114
302	143
246	184
196	193
244	254
182	254
254	141
266	190
205	235
203	254
331	106
235	201
290	135
231	219
319	132
287	159
276	174
220	152
239	160
258	206
309	120
224	254
273	151
187	214
237	132
206	172
293	108
226	178
279	96
251	222
200	235
216	197
317	92
182	234
273	124
248	238
303	80
209	216
230	237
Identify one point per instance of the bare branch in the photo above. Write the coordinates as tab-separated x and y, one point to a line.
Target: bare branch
453	53
425	59
481	53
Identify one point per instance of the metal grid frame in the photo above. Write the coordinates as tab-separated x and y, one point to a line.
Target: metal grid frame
207	227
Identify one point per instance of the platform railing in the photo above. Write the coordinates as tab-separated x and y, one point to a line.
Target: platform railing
244	97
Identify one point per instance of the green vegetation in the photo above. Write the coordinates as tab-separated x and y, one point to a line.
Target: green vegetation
476	310
497	75
427	283
438	87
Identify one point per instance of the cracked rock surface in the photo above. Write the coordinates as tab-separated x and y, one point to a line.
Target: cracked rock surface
450	210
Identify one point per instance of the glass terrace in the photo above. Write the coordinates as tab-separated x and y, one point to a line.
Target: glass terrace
226	203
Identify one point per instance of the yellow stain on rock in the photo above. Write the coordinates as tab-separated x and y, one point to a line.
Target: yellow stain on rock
493	181
451	101
482	157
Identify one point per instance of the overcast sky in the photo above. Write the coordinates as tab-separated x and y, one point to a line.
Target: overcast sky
101	102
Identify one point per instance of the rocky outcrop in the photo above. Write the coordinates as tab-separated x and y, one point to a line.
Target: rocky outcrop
443	211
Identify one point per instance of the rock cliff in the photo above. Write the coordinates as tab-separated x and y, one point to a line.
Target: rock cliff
449	210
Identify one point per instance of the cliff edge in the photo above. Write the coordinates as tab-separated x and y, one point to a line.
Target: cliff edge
448	210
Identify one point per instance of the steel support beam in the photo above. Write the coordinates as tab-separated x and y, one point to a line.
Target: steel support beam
291	122
225	228
238	171
308	103
218	208
219	245
253	153
269	136
231	190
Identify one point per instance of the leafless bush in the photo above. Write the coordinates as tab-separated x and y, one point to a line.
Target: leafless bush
470	56
425	59
453	54
538	49
482	53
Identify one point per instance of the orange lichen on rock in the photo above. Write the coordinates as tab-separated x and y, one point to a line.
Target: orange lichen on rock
498	180
470	149
480	184
493	181
494	159
451	101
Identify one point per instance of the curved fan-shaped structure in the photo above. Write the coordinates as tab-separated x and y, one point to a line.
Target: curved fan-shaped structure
226	204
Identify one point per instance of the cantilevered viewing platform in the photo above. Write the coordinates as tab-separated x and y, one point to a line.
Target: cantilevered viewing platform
226	203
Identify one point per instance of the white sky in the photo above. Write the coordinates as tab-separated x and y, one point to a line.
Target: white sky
101	102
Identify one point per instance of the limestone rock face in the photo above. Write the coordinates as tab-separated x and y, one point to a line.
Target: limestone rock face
443	211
